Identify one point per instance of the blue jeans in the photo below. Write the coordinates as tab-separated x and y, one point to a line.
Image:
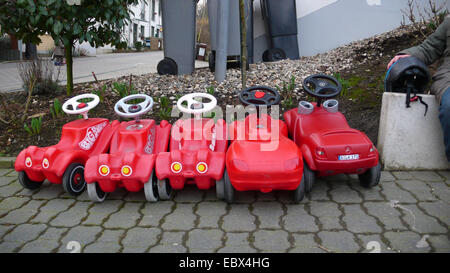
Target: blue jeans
444	117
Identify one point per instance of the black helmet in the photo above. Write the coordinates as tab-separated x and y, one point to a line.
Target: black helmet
407	71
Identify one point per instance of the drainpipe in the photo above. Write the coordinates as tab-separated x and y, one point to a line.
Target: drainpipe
222	43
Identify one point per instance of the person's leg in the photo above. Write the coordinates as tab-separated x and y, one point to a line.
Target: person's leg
444	117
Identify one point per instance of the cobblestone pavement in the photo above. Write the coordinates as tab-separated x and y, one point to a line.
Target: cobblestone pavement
408	212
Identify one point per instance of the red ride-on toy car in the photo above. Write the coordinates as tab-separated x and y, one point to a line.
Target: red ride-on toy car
64	162
328	144
197	148
132	153
261	156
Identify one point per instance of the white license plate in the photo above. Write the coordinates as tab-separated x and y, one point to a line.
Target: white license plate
349	157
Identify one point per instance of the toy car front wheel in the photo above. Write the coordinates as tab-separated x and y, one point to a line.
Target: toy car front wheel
309	177
165	191
371	177
96	194
228	192
27	183
299	193
151	188
73	179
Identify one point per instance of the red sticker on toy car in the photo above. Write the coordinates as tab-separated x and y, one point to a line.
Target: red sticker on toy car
92	134
150	142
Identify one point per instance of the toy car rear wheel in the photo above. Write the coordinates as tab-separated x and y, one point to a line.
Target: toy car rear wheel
151	188
220	187
165	191
299	193
27	183
309	177
228	193
96	194
371	177
73	179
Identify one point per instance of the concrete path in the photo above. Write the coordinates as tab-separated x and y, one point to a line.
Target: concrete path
105	66
407	212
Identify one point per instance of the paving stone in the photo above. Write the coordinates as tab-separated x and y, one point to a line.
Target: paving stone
10	189
373	194
338	241
441	190
182	218
438	209
210	195
13	173
426	176
9	247
271	240
298	220
84	235
319	191
135	196
154	212
4	229
6	180
12	203
118	194
386	177
358	221
126	217
73	216
405	241
84	197
239	219
48	191
374	244
23	214
51	209
393	192
402	175
420	222
5	171
328	214
342	193
419	189
139	239
210	213
171	242
337	178
237	242
108	242
261	196
99	212
445	174
305	243
386	214
440	243
268	214
190	194
245	197
46	242
207	240
24	233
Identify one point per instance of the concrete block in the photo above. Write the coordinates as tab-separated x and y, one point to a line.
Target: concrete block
408	140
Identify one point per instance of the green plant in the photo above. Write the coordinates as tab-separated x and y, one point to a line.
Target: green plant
56	109
138	45
210	90
100	92
165	111
123	89
36	126
287	93
345	83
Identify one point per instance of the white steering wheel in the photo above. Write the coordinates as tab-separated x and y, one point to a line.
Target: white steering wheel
80	108
123	109
195	106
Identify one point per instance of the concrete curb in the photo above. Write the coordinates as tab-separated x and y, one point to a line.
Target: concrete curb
7	162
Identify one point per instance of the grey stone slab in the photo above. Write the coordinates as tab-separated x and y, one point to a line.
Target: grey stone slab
208	240
418	188
387	214
5	229
190	194
393	192
108	242
5	171
118	194
138	196
72	216
10	190
305	243
9	247
6	180
48	191
140	239
445	174
270	196
441	190
126	217
84	235
154	213
24	233
440	243
426	176
51	209
171	242
406	241
338	241
438	209
182	218
374	244
386	176
22	214
239	219
372	194
337	178
298	219
269	214
420	222
210	213
319	191
358	221
328	214
244	197
210	195
100	212
403	175
12	203
45	243
271	240
237	242
342	193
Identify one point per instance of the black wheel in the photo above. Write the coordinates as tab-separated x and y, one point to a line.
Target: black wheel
228	189
220	187
27	183
371	177
264	56
299	193
310	177
73	179
151	188
167	66
165	191
96	194
275	54
212	61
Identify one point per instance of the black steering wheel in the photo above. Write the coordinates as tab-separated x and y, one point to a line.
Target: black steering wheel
259	96
322	86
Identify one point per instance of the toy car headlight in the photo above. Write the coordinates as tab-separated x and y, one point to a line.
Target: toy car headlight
291	164
28	162
176	167
126	170
372	149
45	163
103	170
320	152
202	167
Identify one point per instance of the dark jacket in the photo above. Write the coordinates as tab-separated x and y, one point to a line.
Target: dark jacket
436	47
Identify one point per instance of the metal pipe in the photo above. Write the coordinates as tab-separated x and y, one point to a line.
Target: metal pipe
222	43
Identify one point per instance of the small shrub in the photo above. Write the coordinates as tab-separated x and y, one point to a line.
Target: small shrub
41	72
287	93
100	92
138	45
165	111
35	127
122	89
210	90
